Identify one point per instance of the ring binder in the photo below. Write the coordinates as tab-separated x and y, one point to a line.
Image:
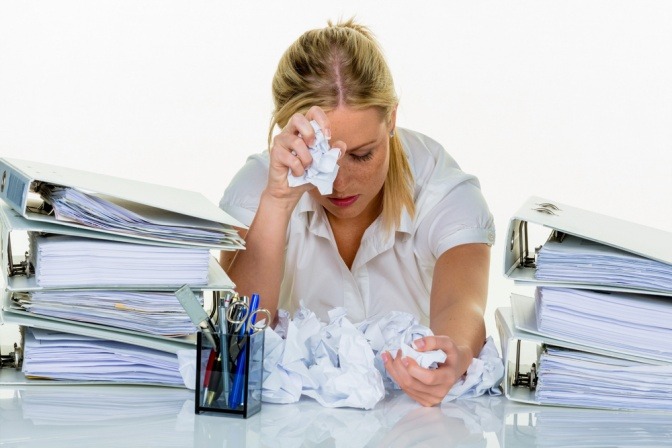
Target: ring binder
520	256
187	217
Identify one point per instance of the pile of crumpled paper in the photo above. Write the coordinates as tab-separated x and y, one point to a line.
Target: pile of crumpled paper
339	363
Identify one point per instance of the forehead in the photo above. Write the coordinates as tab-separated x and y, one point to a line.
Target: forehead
356	126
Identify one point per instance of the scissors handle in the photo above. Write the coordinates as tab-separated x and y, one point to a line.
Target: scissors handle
254	317
234	316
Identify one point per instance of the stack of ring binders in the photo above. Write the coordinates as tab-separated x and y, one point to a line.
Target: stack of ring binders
134	244
597	331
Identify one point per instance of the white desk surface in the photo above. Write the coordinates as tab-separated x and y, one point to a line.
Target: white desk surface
122	416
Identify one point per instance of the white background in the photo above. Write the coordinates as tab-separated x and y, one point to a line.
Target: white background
571	100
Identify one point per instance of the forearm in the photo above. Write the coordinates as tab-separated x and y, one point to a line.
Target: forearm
259	268
459	296
465	325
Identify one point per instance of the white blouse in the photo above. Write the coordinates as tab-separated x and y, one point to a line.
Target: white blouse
390	272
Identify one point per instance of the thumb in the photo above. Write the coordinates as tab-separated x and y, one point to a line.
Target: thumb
429	343
421	344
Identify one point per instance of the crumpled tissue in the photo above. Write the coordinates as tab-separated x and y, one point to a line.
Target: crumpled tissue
324	168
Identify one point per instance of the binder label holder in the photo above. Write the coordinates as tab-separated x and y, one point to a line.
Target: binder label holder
229	377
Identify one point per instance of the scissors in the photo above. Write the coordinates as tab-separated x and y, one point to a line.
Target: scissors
244	314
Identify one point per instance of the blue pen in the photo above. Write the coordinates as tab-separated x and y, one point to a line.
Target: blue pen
236	396
254	306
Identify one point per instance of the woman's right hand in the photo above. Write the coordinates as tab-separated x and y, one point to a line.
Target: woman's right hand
289	151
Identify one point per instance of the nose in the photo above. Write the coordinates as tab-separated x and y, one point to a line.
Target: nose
341	181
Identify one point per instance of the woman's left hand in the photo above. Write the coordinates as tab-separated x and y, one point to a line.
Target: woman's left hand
429	386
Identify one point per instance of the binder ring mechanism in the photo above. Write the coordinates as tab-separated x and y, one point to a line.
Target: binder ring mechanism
13	359
23	267
524	379
525	256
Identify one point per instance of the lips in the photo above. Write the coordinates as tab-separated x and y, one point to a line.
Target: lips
344	202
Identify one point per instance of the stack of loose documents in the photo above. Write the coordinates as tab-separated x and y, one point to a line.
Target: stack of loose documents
576	259
82	358
62	260
152	312
114	215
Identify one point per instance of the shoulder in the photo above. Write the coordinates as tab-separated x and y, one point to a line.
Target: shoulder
440	183
241	197
426	156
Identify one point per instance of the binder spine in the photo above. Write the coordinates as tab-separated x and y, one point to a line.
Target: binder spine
13	187
514	374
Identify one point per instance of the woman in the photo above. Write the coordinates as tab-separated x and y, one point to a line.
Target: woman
403	229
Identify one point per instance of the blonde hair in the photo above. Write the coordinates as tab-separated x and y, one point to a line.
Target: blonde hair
342	64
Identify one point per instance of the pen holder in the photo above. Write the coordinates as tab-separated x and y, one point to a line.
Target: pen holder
229	376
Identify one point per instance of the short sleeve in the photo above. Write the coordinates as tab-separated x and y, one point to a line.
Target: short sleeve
241	197
460	217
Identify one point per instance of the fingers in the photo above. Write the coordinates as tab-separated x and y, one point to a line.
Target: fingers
429	343
291	151
316	113
427	386
300	125
291	145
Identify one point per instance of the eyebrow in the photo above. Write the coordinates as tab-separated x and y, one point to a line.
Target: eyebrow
361	146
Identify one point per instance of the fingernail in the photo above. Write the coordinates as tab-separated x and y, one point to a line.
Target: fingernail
386	357
327	133
419	343
404	361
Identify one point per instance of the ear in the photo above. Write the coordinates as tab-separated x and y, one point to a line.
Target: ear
393	120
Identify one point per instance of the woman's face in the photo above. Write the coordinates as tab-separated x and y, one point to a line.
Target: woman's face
357	191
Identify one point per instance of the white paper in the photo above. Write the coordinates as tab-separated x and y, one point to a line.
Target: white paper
576	378
62	261
133	219
631	323
62	356
339	364
583	261
152	312
324	168
483	376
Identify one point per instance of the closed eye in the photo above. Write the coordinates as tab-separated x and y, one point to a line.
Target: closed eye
362	158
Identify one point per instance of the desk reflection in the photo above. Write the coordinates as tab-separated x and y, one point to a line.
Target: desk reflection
533	426
396	422
102	416
107	416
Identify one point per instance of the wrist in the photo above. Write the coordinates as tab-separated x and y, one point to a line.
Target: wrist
466	355
282	205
